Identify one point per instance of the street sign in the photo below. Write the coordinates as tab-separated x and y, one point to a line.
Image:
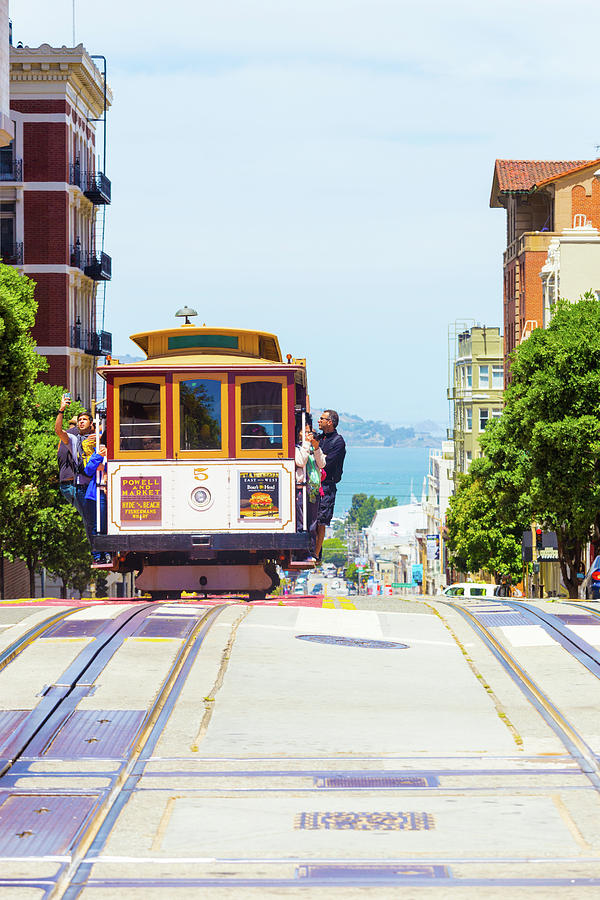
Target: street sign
433	546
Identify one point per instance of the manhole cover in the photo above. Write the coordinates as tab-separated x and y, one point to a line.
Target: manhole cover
351	642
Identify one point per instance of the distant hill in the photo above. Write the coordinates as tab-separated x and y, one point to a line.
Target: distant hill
368	433
126	359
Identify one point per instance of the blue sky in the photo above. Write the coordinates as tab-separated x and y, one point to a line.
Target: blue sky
322	170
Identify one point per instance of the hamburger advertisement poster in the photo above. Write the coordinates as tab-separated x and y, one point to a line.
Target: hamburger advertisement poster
259	495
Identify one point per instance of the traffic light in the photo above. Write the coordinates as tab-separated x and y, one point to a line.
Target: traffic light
538	538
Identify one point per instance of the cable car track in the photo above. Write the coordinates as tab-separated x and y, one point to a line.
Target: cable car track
42	628
61	698
97	831
43	723
575	744
578	647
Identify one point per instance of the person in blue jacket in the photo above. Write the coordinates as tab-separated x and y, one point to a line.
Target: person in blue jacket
94	465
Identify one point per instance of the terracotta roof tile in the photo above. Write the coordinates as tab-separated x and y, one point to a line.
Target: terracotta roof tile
525	174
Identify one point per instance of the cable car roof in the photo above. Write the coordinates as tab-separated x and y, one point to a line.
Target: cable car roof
191	340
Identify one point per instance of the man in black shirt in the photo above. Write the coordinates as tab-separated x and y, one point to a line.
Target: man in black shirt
334	447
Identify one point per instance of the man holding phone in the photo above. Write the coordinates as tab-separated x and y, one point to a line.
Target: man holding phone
334	447
80	445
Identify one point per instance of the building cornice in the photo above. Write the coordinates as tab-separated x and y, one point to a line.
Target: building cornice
72	66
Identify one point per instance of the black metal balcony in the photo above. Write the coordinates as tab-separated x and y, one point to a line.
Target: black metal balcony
11	169
96	187
12	254
98	267
96	343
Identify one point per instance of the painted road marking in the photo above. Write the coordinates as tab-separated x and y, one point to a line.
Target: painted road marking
345	603
363	624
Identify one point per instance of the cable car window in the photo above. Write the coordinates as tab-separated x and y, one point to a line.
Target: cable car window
139	408
262	415
200	414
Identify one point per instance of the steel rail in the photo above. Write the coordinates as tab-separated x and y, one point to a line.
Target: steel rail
590	609
61	697
74	878
572	740
579	648
7	656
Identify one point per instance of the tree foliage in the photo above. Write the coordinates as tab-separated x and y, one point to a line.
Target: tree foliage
552	419
19	361
36	524
351	573
363	508
542	457
478	537
335	551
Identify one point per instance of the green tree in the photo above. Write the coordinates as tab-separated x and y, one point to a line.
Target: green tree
38	526
20	365
63	546
547	441
555	393
363	508
335	551
351	573
478	536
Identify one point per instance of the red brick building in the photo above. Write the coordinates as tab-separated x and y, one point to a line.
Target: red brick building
542	199
53	197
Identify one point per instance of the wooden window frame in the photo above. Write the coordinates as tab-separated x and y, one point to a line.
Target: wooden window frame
261	454
139	454
223	453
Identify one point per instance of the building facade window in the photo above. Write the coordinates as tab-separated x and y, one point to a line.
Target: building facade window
498	377
469	420
483	418
7	162
469	376
496	413
484	376
7	231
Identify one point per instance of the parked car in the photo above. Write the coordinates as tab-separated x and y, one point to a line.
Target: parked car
590	586
470	589
317	588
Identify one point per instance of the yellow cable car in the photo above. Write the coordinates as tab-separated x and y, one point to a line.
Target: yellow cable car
201	484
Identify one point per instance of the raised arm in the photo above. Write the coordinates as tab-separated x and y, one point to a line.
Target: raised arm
301	455
58	425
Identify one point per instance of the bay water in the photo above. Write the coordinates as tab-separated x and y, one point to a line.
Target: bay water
382	472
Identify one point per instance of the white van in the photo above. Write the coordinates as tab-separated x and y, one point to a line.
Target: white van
470	589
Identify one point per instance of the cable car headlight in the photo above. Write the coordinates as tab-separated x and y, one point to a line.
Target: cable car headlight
201	498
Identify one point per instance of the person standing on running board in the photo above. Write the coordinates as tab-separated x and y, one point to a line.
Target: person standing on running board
333	446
